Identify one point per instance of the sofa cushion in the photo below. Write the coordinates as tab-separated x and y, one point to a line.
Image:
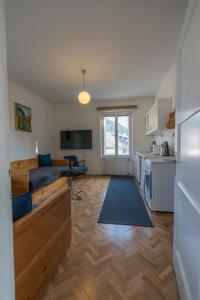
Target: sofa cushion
44	160
39	178
54	169
21	205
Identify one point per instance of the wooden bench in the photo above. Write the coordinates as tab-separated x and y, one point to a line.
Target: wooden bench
42	237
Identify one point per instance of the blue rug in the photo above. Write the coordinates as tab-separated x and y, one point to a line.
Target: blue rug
123	204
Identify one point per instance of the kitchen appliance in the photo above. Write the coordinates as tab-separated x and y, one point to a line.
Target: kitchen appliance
159	184
152	145
156	149
164	149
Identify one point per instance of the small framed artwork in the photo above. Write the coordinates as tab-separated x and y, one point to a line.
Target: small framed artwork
23	118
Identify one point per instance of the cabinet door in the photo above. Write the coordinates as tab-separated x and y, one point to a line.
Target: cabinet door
151	119
154	116
147	123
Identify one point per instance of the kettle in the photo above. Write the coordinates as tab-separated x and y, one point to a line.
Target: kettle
164	149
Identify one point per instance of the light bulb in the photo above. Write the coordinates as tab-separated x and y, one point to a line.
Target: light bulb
84	97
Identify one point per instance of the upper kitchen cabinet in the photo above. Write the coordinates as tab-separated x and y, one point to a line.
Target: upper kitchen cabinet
158	115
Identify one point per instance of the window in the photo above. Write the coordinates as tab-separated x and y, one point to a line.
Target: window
116	134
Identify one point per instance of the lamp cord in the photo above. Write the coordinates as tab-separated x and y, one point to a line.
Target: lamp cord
84	84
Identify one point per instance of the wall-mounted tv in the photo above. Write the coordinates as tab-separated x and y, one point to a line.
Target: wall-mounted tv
76	139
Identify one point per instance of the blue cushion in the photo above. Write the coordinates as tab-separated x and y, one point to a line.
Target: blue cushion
44	160
41	177
21	205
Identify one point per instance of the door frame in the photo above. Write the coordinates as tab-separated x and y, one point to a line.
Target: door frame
116	114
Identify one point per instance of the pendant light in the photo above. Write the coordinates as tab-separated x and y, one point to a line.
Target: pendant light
84	97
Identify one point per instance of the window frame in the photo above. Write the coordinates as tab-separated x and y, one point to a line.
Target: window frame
117	114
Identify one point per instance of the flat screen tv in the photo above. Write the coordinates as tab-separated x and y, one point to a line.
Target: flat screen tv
76	139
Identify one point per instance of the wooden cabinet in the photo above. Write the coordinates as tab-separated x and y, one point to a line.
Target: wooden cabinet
157	117
41	239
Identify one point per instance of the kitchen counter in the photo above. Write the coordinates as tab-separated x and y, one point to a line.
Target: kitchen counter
157	158
144	154
155	176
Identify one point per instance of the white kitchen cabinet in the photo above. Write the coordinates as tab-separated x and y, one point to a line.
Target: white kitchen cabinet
159	184
140	168
142	173
137	167
158	115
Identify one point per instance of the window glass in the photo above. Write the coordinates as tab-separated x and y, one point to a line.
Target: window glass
109	135
123	135
116	135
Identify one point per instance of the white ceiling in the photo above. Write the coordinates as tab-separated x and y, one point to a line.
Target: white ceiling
127	46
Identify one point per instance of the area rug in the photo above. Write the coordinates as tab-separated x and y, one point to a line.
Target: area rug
123	204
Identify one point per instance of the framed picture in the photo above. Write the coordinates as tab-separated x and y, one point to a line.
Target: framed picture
23	117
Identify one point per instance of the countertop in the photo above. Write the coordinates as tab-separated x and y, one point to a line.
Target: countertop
157	158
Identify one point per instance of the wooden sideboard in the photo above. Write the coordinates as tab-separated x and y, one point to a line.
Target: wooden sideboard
41	239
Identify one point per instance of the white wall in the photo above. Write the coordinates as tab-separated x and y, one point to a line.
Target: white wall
22	144
77	116
48	119
168	86
167	89
6	239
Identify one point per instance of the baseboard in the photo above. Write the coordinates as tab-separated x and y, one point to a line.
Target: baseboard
181	278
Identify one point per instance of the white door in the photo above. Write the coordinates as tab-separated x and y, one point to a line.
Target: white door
116	143
187	186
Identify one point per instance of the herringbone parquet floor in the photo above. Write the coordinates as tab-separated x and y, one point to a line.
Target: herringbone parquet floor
111	262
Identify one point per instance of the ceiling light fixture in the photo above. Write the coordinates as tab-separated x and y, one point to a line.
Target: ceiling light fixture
84	97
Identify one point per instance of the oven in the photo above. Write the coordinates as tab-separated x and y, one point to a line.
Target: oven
148	182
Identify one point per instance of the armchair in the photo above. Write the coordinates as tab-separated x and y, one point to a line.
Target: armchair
75	164
79	169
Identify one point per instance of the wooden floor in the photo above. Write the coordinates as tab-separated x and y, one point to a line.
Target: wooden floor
111	262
